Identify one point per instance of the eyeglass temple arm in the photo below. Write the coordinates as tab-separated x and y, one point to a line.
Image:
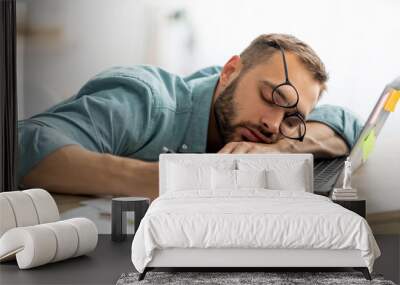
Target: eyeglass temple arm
284	63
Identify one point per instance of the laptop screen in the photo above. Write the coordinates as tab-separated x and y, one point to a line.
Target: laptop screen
366	141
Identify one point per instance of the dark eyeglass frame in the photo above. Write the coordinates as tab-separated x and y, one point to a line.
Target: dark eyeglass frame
287	82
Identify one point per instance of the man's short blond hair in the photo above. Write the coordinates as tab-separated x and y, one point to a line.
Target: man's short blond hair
261	50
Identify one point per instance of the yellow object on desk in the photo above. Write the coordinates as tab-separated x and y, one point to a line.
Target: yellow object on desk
390	104
368	144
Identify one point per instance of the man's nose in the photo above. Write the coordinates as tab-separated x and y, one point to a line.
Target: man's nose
271	121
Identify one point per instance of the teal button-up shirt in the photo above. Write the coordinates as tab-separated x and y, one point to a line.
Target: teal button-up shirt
136	111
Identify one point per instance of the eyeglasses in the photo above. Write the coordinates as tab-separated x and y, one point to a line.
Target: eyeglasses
285	95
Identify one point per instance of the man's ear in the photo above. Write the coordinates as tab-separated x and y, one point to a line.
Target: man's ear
230	70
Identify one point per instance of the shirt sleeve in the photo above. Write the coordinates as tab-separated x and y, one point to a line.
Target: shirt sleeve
343	121
36	140
112	113
121	107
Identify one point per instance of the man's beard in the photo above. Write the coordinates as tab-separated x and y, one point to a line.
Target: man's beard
226	111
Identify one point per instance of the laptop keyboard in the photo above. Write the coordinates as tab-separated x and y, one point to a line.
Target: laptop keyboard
326	172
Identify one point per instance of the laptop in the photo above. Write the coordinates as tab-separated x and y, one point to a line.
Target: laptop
329	173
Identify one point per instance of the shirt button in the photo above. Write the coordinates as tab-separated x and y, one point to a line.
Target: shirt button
184	147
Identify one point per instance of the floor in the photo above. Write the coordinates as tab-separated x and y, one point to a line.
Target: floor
110	260
102	266
389	262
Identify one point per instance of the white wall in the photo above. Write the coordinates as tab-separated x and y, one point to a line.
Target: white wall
358	40
379	180
67	42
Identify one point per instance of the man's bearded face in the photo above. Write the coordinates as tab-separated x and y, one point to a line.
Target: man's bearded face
226	113
244	110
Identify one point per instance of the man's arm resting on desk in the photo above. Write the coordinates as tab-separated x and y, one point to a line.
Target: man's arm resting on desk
320	140
75	170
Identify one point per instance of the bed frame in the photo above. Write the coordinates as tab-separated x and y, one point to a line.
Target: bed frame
260	259
248	259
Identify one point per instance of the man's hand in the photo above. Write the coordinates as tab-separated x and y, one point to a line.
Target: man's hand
320	140
249	147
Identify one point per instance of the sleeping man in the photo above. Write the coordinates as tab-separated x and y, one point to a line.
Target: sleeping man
107	138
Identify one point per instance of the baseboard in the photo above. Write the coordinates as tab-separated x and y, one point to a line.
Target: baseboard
385	222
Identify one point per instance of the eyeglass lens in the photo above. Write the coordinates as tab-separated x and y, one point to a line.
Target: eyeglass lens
292	127
285	96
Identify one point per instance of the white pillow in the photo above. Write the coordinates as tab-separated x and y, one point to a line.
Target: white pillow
279	180
251	178
223	179
183	178
282	174
227	179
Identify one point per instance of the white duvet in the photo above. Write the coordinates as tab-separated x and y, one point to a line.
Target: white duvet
250	218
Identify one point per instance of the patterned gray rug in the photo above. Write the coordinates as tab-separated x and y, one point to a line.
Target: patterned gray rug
230	278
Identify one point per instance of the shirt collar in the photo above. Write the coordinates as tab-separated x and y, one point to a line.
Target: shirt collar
197	130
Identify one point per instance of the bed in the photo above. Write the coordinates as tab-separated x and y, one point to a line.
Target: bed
246	211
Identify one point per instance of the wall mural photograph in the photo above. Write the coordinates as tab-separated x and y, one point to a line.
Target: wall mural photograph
255	136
